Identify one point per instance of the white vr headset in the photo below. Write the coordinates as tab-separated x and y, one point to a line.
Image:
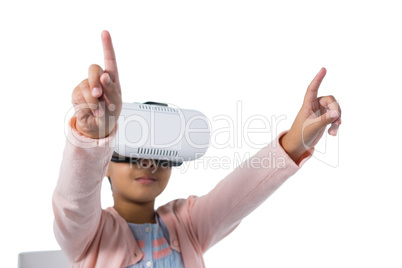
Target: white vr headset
156	131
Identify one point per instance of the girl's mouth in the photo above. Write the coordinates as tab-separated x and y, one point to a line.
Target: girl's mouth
147	179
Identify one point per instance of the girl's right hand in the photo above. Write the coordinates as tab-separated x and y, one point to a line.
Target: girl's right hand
97	99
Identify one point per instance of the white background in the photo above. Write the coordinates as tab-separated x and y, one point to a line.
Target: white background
342	209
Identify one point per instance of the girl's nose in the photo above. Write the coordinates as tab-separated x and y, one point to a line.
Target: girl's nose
147	163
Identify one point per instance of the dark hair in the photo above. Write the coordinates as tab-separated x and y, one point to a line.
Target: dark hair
110	183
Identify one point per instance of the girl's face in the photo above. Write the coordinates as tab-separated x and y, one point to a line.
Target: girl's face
139	182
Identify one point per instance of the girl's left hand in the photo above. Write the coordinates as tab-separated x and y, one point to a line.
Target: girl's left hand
312	120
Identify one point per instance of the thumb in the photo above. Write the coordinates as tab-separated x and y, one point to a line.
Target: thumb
112	95
110	89
313	125
329	117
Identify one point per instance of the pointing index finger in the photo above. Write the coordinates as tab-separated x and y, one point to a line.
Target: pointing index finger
312	90
110	57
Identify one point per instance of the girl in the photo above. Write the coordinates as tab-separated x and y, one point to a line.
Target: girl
132	233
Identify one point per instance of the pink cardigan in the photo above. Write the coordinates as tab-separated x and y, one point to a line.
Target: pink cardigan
93	237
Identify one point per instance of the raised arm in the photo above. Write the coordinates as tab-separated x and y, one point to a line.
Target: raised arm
89	146
217	213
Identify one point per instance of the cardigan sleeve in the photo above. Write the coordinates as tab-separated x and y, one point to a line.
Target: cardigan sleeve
216	214
76	198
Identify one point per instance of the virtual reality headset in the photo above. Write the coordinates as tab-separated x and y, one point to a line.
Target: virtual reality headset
168	135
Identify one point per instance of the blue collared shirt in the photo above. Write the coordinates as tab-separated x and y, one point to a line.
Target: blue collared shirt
153	239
